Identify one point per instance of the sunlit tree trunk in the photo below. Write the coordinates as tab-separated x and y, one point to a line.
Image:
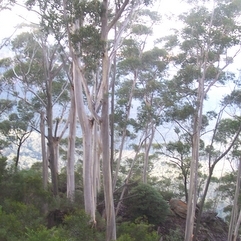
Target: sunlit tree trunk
192	194
105	133
87	130
71	149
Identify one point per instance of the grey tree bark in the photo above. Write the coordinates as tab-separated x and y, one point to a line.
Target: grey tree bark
43	149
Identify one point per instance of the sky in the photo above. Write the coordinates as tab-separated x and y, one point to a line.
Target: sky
10	21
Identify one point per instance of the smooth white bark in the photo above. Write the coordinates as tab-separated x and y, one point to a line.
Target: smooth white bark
71	149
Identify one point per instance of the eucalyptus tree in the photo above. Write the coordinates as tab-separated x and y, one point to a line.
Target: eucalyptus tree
204	45
233	102
36	76
92	57
129	65
16	127
178	154
6	106
149	92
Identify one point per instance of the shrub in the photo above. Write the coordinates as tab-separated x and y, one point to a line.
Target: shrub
27	215
44	234
125	237
26	187
10	227
144	200
15	217
174	235
77	227
128	231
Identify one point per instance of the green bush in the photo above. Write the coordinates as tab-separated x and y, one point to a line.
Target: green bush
24	186
144	200
128	231
78	227
15	218
10	227
125	237
174	235
27	215
44	234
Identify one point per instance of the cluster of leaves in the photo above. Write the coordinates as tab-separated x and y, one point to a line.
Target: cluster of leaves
138	230
145	201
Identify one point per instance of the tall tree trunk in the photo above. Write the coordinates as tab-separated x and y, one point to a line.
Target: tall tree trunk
44	154
71	149
233	220
87	130
236	230
52	161
107	178
192	194
49	120
211	169
123	138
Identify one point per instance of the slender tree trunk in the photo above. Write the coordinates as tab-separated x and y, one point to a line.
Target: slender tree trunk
126	182
147	152
44	155
192	195
112	124
96	152
107	179
236	230
128	177
44	158
123	138
87	129
71	149
233	220
105	132
56	152
49	120
52	161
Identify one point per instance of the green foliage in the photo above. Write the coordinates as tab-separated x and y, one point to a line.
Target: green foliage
91	46
144	200
3	164
10	227
139	230
44	234
24	186
174	235
140	29
15	217
78	227
27	215
125	237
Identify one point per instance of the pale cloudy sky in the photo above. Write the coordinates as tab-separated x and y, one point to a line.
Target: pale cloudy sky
10	19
